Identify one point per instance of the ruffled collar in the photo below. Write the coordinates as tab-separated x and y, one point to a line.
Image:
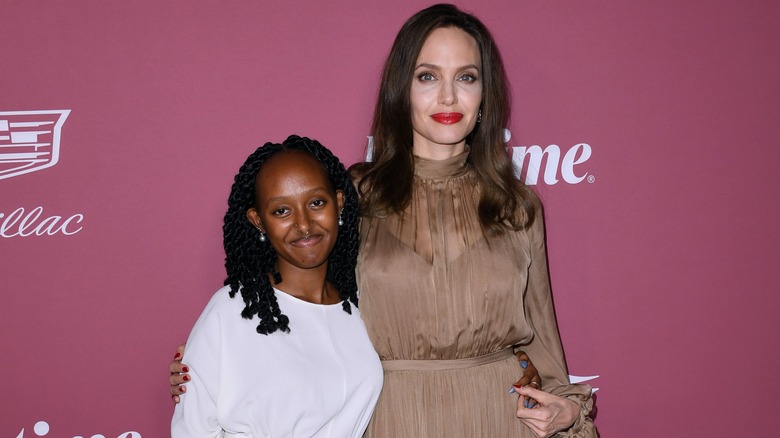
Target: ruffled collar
437	169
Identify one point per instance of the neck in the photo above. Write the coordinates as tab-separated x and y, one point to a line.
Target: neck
308	284
437	152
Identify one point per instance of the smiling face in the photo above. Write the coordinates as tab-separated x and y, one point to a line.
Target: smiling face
296	206
446	93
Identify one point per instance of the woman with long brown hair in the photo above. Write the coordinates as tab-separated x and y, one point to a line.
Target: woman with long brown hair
452	266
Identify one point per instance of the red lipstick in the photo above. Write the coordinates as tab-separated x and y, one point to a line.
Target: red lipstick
447	118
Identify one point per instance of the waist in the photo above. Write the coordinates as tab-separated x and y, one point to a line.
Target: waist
446	364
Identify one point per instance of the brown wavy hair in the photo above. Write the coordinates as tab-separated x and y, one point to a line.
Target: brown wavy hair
385	184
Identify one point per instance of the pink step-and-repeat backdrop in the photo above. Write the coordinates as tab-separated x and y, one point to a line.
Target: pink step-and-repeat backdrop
123	123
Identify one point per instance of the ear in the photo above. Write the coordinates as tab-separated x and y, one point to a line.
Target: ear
254	219
340	199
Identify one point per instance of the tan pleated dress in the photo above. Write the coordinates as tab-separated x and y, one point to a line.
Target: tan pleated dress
445	305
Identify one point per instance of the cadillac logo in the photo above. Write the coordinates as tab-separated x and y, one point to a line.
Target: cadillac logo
29	140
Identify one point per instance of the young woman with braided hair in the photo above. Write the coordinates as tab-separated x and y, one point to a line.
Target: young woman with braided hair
292	356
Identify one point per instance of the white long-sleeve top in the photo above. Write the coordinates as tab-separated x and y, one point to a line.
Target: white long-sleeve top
320	380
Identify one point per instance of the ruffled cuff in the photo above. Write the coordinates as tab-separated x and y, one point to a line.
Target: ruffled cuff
583	427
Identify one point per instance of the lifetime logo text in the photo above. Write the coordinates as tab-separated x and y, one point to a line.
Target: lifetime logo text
528	160
42	428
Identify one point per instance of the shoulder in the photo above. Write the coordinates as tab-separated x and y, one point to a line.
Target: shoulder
222	304
221	315
528	211
535	202
535	228
222	296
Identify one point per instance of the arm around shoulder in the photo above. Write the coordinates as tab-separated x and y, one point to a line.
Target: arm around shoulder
196	414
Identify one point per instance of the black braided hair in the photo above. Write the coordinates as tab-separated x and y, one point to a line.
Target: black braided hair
249	261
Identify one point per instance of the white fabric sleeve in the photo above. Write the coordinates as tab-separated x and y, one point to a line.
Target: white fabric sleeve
196	415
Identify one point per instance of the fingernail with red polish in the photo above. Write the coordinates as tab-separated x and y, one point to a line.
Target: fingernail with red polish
178	355
185	369
186	378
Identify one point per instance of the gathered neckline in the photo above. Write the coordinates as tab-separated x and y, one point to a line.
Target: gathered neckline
426	168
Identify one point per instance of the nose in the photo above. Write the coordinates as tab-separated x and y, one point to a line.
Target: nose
447	94
303	223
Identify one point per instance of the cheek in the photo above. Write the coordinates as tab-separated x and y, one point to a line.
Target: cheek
418	107
276	229
422	97
474	97
418	117
330	220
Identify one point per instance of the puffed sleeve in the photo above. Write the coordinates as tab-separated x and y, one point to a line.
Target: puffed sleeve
196	415
545	349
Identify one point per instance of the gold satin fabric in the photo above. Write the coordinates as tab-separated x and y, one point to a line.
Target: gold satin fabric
433	286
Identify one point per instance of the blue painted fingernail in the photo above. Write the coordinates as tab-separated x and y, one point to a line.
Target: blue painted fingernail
524	363
512	390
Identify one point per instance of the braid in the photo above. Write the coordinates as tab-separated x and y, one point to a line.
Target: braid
249	261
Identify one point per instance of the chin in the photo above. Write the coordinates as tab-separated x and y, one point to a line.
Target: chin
451	137
451	142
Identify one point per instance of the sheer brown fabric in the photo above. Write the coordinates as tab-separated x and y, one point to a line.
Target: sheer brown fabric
433	286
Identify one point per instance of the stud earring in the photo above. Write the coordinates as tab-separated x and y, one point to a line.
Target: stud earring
479	116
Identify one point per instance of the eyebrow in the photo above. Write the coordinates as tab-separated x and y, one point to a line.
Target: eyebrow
436	67
308	192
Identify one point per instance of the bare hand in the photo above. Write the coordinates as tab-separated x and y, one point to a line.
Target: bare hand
179	375
530	377
552	413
